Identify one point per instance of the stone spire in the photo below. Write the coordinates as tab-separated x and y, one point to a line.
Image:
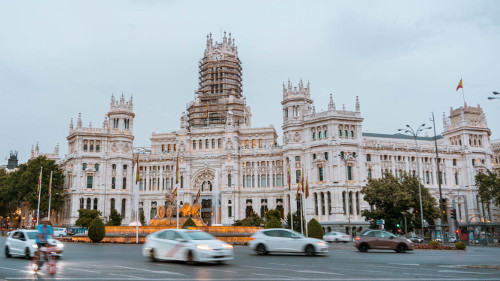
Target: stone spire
37	148
331	104
79	122
357	104
32	151
71	125
105	123
56	149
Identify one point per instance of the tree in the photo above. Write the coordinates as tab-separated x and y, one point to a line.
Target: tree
296	221
273	213
8	203
85	217
141	217
273	223
22	185
488	186
115	219
97	231
393	197
314	229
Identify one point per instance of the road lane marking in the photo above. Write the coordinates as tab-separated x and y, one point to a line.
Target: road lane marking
147	270
129	276
16	269
409	264
85	270
281	276
317	272
460	272
368	270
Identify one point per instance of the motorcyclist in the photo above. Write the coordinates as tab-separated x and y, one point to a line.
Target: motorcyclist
44	233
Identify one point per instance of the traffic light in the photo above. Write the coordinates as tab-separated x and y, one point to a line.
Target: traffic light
453	214
397	225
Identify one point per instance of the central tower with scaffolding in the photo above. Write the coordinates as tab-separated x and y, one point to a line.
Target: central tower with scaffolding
219	98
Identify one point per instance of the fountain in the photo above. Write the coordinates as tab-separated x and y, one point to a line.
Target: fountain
164	214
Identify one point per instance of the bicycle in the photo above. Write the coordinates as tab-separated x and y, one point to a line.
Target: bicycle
49	253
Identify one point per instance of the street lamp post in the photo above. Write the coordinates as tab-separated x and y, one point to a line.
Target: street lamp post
348	159
415	135
494	98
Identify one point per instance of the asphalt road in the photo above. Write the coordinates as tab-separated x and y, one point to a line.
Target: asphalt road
344	262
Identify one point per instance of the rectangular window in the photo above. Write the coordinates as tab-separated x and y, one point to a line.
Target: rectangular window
297	158
456	178
369	173
124	183
113	183
90	180
278	180
343	202
454	162
244	183
349	172
329	203
320	173
326	155
368	158
297	176
229	211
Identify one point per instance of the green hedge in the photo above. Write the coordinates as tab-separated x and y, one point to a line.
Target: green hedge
434	243
189	223
97	231
460	246
315	230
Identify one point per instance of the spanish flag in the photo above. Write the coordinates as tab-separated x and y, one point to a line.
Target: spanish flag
460	85
289	180
197	196
137	176
175	191
307	188
39	181
302	180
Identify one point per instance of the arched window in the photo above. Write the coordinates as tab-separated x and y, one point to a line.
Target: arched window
95	203
84	166
314	135
82	202
91	146
168	147
343	202
357	203
340	133
253	143
326	134
206	144
97	146
200	144
113	166
345	133
162	147
319	134
219	144
113	183
322	204
352	134
89	201
229	180
96	166
316	204
112	204
124	205
85	147
194	145
329	195
124	183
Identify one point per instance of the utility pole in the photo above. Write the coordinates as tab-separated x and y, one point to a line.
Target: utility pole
442	203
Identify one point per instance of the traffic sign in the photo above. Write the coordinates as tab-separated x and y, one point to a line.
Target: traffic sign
380	222
34	220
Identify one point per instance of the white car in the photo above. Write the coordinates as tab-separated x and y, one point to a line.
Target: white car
337	237
22	242
191	246
60	232
285	240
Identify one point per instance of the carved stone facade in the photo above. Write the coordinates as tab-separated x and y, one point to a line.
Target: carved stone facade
215	138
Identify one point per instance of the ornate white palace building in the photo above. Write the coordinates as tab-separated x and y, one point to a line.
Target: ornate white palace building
215	134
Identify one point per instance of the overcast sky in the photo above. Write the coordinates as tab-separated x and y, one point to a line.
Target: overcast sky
403	59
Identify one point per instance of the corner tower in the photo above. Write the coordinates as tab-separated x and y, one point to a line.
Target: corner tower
220	87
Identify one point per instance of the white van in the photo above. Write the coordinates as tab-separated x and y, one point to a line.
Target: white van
60	232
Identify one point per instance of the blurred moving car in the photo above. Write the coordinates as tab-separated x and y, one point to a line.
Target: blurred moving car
452	239
60	232
22	242
71	231
416	239
382	240
285	240
191	246
337	237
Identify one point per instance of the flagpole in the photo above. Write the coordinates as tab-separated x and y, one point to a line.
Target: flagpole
39	193
291	212
50	192
305	207
301	215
